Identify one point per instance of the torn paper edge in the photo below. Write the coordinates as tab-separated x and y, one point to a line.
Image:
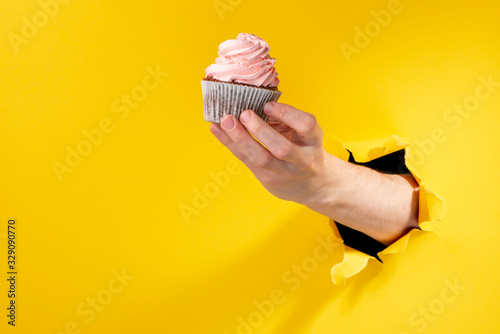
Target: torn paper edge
431	207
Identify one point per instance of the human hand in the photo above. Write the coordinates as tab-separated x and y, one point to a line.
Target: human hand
290	160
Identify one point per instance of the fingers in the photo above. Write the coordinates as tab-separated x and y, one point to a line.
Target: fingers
226	141
242	142
279	146
304	124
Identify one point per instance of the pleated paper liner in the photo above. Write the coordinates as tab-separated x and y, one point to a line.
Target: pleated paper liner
223	98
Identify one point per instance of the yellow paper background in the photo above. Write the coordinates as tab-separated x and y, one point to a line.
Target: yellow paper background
119	209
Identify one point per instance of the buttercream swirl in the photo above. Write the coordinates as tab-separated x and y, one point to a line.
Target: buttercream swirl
244	60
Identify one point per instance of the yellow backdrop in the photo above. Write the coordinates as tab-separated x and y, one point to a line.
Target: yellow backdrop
130	216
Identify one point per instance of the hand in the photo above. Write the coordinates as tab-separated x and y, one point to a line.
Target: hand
290	160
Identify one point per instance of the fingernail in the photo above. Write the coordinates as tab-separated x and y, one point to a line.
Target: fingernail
245	117
215	129
228	122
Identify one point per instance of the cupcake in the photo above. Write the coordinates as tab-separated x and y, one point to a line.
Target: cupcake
243	77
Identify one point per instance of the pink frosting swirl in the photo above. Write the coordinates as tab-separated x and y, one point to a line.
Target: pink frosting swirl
244	60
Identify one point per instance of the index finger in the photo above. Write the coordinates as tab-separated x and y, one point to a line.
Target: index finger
303	123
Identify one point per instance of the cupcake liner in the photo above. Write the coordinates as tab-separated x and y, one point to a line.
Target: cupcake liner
223	98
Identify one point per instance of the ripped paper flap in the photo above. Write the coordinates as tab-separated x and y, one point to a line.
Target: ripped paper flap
431	207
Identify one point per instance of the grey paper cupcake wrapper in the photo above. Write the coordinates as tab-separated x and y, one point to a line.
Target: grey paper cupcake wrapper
223	98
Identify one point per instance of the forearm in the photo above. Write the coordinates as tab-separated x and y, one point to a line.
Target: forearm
382	206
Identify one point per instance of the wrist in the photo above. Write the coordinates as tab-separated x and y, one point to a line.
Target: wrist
331	184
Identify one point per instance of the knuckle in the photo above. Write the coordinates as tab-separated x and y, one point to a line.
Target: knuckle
238	154
262	133
248	150
280	111
226	141
264	161
308	123
284	152
239	140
